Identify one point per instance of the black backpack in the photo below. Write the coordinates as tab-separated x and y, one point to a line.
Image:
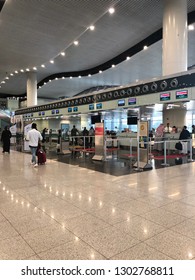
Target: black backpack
178	146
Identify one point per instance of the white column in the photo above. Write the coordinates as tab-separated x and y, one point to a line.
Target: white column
175	32
84	121
31	89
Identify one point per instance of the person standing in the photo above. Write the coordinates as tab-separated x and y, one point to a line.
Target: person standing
184	135
34	136
74	133
5	139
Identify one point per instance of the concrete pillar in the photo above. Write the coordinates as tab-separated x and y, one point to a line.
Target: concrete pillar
31	89
175	33
84	121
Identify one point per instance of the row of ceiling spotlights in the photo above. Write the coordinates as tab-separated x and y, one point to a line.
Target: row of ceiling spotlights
76	43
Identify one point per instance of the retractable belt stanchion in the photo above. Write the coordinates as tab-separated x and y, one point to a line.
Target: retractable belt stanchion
165	154
190	159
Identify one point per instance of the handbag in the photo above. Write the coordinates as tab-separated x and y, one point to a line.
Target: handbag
178	146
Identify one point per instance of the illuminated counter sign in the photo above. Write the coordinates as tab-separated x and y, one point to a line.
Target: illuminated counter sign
75	109
43	113
57	111
165	96
69	110
121	102
99	106
132	101
181	94
53	112
91	107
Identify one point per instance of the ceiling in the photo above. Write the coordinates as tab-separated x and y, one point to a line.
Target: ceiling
33	32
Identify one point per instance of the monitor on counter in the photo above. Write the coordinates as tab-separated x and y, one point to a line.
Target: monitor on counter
165	96
57	111
69	110
43	113
95	119
132	101
181	94
53	112
121	102
75	109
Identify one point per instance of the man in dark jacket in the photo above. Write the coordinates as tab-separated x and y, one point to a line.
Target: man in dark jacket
5	138
184	135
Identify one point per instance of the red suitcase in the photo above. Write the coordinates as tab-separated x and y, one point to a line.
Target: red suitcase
41	156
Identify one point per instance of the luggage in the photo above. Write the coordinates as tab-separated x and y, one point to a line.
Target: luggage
178	146
41	156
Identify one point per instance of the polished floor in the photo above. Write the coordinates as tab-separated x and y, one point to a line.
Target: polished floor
62	211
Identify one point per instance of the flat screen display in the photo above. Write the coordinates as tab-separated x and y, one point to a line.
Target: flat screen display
99	106
95	119
69	110
132	120
53	112
39	113
57	111
91	107
165	96
75	109
43	113
121	102
181	94
132	101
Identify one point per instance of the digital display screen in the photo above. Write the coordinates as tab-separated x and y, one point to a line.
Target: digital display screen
53	112
57	111
39	113
75	109
69	110
181	94
43	113
31	114
165	96
99	106
132	101
121	102
91	107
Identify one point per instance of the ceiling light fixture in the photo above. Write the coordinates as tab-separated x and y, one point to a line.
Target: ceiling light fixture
113	65
79	77
128	57
22	70
111	11
100	71
52	61
27	69
7	78
76	43
89	75
42	65
70	77
145	47
63	53
91	27
11	74
16	72
34	68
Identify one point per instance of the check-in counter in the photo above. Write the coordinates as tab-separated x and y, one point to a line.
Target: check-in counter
125	138
173	138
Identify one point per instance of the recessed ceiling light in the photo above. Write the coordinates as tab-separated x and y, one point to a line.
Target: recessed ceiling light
21	70
128	57
113	65
16	72
34	68
111	10
51	61
92	27
49	80
79	77
7	78
190	27
76	43
63	78
145	47
70	77
89	75
27	69
3	82
42	65
56	78
63	53
11	74
100	71
45	83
